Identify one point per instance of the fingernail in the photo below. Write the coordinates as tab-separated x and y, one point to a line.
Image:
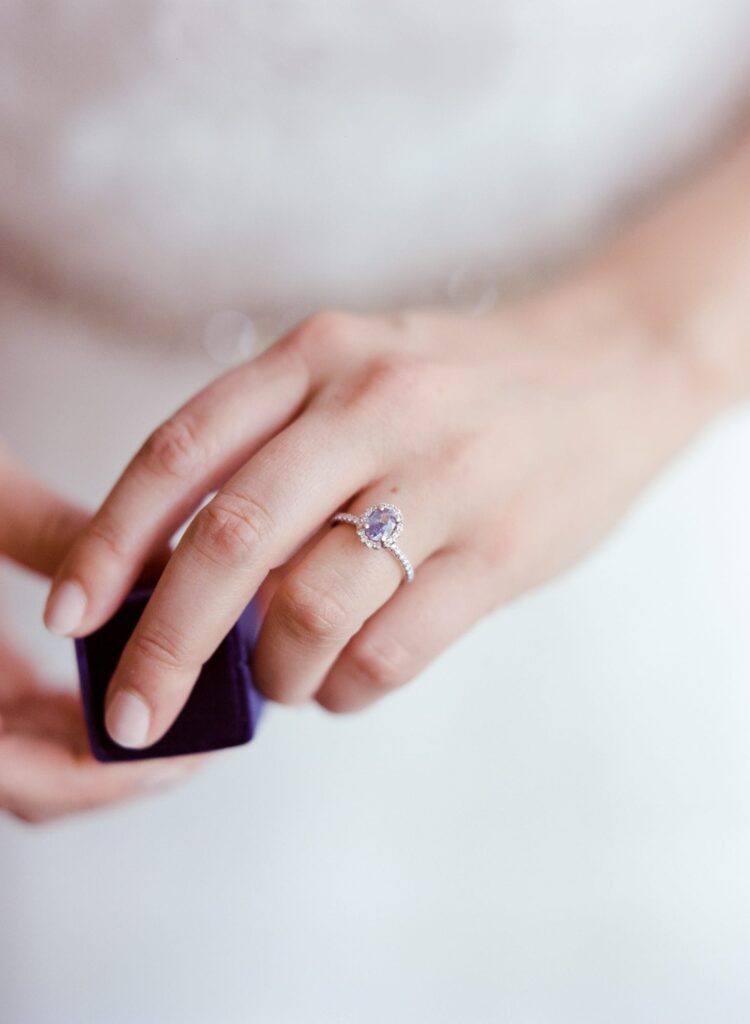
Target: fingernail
65	608
128	719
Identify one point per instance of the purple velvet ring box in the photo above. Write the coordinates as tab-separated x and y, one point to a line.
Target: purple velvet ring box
222	710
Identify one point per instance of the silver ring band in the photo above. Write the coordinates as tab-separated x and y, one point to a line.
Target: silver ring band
378	527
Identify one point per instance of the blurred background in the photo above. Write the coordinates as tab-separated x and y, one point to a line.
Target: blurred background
553	824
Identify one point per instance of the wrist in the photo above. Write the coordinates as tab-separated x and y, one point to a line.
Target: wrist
703	332
698	340
592	335
682	275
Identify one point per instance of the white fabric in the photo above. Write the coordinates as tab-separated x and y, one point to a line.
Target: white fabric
552	824
184	157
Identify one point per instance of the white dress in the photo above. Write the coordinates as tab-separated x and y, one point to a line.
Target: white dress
553	824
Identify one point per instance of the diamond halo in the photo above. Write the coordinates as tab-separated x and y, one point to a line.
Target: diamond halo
378	527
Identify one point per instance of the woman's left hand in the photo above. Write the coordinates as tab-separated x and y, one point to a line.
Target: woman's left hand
511	442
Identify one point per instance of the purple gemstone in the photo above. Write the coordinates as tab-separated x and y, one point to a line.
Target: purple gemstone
380	524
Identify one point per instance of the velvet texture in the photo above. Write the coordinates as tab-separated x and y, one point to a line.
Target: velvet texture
222	710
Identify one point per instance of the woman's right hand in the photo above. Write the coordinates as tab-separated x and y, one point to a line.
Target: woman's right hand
46	769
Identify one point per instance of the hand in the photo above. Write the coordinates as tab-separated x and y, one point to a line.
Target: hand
511	442
46	769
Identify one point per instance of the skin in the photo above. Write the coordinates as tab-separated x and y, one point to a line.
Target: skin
46	769
511	441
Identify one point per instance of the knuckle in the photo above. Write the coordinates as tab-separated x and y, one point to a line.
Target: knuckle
174	448
231	529
383	663
384	384
314	617
396	381
461	460
104	531
159	644
325	331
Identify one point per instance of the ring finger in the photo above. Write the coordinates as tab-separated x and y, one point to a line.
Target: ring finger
325	599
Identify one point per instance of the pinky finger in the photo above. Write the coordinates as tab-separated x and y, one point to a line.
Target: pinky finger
447	597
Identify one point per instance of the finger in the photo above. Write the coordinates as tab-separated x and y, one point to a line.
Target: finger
37	526
449	594
254	523
17	674
46	774
326	599
190	454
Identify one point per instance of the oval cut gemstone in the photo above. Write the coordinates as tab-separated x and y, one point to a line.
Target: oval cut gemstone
380	524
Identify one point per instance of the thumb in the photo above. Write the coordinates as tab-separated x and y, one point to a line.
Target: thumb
37	526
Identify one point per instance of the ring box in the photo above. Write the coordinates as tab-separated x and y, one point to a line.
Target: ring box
223	708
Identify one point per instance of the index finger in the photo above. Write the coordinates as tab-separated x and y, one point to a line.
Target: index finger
261	516
188	456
